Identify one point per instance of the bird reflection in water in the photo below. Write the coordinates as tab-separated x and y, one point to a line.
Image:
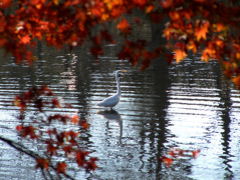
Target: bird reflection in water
113	115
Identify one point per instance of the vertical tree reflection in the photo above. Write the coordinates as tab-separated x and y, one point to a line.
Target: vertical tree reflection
225	105
154	132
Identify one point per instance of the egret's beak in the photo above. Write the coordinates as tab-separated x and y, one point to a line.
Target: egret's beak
123	71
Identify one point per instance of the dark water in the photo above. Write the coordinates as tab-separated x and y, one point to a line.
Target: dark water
188	106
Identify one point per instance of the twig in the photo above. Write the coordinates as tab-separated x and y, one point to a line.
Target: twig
22	148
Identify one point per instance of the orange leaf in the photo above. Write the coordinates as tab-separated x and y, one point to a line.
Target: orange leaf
179	55
19	127
167	3
174	15
81	157
68	149
56	2
140	2
195	153
201	32
219	43
149	8
61	167
51	149
167	161
56	103
116	12
91	164
187	14
5	3
167	32
96	12
29	131
237	55
208	53
25	39
71	134
75	119
236	81
123	26
84	124
192	46
220	27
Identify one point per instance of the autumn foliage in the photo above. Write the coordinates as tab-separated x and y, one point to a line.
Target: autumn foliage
208	28
61	145
175	154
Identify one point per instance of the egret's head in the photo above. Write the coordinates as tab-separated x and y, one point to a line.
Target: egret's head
118	72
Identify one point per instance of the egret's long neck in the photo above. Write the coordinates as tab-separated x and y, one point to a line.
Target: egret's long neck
118	86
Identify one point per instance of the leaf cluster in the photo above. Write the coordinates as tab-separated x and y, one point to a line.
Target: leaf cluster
175	154
61	146
208	28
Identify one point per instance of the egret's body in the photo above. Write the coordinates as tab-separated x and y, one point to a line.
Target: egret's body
114	99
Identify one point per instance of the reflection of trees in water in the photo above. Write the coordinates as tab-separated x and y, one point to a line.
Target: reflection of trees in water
153	133
225	105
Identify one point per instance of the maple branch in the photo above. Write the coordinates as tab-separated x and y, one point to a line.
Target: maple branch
20	147
25	150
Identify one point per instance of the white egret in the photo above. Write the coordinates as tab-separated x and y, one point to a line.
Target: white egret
114	99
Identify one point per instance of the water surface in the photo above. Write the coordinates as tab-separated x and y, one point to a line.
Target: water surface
188	106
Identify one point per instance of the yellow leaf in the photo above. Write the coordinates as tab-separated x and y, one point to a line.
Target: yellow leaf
179	55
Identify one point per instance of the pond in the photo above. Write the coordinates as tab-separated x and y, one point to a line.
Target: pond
189	106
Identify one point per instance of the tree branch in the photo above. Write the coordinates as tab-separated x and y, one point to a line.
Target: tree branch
25	150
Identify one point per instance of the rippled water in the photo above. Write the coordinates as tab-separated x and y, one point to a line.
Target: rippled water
188	106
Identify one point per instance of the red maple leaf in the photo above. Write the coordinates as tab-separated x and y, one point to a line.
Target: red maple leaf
61	167
140	2
81	157
42	163
84	124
